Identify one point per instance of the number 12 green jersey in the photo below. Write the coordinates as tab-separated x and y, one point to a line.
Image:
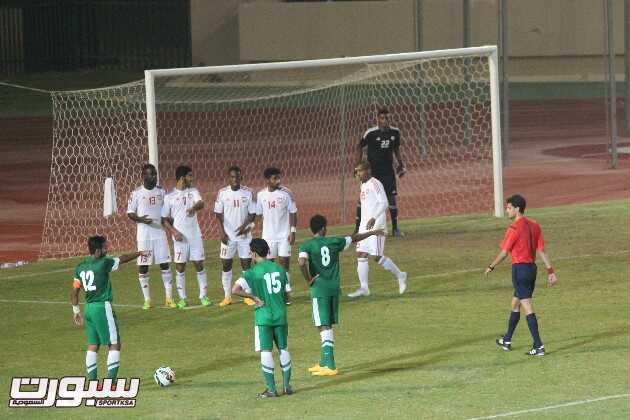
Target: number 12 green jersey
323	259
92	274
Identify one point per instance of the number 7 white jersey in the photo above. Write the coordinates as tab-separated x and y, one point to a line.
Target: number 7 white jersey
176	205
235	206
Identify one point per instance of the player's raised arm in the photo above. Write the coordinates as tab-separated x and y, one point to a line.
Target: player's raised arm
358	237
130	257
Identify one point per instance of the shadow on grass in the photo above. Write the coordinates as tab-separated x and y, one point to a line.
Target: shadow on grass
395	363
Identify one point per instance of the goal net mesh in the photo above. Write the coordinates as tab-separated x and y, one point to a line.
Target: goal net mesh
305	121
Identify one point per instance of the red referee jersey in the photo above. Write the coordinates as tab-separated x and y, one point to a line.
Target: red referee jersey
522	239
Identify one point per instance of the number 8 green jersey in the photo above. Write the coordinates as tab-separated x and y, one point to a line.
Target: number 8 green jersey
323	259
92	274
267	281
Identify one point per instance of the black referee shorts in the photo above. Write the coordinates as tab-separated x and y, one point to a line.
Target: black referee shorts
389	183
524	280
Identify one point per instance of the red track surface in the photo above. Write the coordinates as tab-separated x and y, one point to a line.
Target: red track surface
557	156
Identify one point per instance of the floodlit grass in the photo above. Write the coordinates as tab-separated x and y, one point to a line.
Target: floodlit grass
427	354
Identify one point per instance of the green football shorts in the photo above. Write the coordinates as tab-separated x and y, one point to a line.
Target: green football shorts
325	310
266	335
101	325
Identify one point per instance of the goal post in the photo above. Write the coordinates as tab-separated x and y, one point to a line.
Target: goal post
305	117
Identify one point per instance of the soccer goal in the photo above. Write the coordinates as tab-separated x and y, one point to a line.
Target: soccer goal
305	117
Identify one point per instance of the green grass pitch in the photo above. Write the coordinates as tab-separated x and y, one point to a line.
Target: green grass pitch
427	354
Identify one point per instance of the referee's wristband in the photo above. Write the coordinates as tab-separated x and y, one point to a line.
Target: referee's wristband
76	309
550	270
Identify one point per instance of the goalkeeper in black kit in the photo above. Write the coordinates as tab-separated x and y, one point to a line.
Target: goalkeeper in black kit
383	143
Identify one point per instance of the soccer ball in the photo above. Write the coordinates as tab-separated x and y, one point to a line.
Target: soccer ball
164	376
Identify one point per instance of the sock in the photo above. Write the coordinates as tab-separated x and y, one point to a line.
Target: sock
167	279
113	362
285	364
226	279
532	323
288	282
515	316
90	364
144	285
327	357
393	212
357	220
363	268
389	265
203	283
180	279
266	360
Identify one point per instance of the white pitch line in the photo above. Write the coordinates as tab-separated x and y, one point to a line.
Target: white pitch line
52	302
552	407
22	276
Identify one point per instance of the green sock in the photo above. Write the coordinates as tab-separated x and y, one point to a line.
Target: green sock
92	373
328	354
269	379
113	363
285	365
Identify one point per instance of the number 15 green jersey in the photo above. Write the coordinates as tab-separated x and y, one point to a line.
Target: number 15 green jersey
323	259
267	281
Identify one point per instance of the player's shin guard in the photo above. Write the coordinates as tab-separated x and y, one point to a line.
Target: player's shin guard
203	283
266	361
327	357
285	364
389	265
288	282
144	285
113	363
90	364
226	280
180	279
167	279
532	323
515	316
363	269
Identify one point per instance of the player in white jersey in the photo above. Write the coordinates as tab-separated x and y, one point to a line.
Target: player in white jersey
179	216
277	207
373	205
232	208
145	208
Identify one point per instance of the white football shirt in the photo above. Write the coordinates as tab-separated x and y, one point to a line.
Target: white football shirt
176	203
145	202
235	206
373	204
274	207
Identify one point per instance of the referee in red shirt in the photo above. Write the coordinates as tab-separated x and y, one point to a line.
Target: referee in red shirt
523	239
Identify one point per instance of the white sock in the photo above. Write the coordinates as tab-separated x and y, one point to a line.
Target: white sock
226	279
144	285
389	265
113	359
90	360
167	279
363	268
266	359
203	283
285	359
180	279
289	282
327	335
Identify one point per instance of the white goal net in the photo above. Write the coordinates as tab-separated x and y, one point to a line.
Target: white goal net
305	118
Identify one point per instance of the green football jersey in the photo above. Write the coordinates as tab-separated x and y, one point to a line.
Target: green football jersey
323	260
93	274
268	281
